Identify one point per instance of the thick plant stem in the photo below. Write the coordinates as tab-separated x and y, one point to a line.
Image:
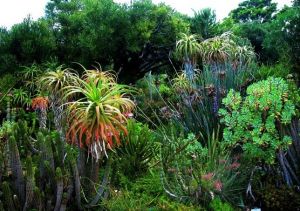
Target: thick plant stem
102	188
285	172
76	184
59	189
42	116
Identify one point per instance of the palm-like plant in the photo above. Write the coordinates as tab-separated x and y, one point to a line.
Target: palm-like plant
20	97
99	115
98	75
30	74
53	83
203	22
189	48
226	48
215	50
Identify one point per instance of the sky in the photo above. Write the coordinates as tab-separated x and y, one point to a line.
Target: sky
14	11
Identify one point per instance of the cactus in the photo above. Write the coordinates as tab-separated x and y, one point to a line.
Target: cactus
1	206
59	150
29	184
8	200
47	166
16	167
38	201
8	110
54	183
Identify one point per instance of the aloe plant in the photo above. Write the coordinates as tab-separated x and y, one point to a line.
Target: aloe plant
189	48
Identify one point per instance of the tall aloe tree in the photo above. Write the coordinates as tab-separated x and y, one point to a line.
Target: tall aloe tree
97	117
40	105
188	48
99	114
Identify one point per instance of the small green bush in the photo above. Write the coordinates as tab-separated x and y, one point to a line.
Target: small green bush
217	205
137	150
278	70
258	122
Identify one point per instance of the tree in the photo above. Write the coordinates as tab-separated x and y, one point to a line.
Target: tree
67	22
188	48
7	59
31	41
151	36
283	36
254	10
133	39
227	47
96	118
255	32
203	23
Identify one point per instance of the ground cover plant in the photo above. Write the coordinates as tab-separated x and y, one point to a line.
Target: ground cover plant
108	106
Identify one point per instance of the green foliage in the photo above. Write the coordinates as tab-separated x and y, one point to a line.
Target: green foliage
217	205
188	47
201	99
279	70
144	194
254	10
20	97
132	38
195	172
225	25
256	33
31	41
281	41
137	150
7	83
258	122
203	23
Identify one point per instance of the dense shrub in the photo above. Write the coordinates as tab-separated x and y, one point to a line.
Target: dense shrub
257	123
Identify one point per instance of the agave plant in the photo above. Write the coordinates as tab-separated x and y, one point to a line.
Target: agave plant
30	74
99	114
189	48
20	97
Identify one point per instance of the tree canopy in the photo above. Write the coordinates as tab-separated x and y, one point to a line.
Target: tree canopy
254	10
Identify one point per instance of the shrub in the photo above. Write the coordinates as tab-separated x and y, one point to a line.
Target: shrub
195	173
258	122
137	150
218	205
278	70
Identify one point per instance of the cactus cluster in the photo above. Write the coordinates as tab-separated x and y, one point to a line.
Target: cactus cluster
40	172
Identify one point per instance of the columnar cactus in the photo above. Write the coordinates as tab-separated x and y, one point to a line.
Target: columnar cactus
16	168
8	201
29	184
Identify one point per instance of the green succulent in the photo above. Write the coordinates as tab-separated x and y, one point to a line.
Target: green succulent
258	121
